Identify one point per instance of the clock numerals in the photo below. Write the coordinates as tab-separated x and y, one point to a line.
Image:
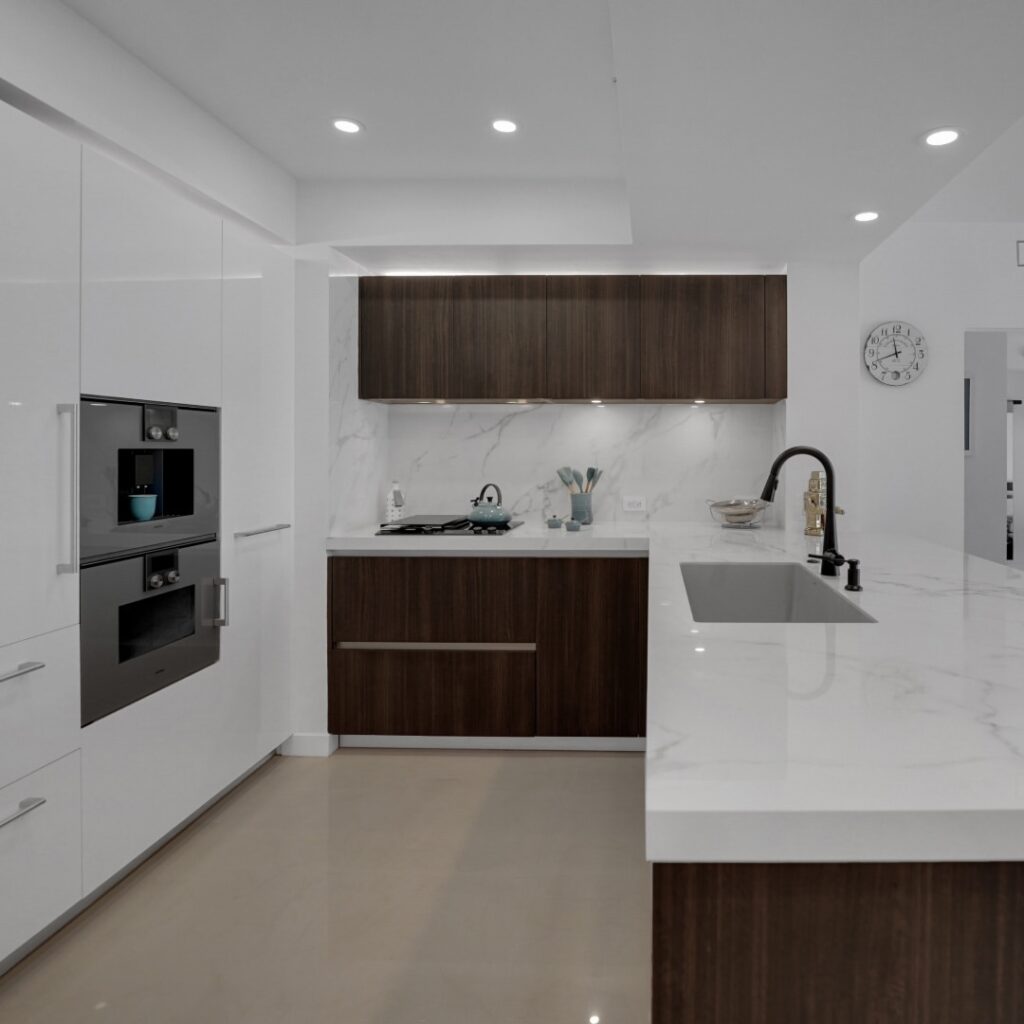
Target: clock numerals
895	353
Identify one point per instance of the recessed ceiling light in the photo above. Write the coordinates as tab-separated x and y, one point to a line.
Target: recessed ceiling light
348	126
942	137
595	1019
699	650
866	216
503	126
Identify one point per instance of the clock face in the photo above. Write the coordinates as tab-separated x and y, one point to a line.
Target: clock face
895	353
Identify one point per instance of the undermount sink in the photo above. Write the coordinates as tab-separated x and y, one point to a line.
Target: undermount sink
764	592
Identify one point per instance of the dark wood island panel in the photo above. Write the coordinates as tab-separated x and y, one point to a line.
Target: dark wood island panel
867	943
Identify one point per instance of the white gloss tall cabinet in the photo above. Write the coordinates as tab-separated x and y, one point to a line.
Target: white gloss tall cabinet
40	781
115	284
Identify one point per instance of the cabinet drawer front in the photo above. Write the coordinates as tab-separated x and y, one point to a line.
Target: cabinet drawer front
40	850
39	702
432	693
433	600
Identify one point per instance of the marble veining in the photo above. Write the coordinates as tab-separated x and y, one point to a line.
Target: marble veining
677	456
359	430
901	739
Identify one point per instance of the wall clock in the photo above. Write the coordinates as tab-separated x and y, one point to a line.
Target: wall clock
895	353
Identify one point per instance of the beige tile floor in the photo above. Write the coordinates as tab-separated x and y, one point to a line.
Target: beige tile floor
375	887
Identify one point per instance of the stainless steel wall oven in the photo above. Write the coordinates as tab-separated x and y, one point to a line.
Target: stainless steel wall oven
153	601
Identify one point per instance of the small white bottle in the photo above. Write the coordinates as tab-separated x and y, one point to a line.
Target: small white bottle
394	508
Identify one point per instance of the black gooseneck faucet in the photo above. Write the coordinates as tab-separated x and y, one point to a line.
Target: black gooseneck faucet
831	560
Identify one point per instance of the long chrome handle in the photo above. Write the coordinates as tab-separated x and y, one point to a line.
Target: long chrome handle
264	529
71	566
28	804
23	670
222	583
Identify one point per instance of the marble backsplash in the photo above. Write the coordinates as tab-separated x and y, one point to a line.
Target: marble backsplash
675	456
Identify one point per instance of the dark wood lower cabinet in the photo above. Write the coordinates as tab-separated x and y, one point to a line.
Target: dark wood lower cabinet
432	693
585	617
591	646
838	944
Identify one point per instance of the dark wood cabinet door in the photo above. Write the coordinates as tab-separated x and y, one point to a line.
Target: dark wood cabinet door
433	600
432	693
593	331
776	374
498	338
405	333
702	337
591	646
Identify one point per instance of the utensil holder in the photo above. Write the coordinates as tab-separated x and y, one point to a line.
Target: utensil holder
582	508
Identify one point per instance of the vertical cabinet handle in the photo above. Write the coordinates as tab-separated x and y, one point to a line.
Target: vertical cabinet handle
71	565
222	582
26	805
22	670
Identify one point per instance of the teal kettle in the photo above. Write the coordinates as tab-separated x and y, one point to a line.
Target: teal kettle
486	511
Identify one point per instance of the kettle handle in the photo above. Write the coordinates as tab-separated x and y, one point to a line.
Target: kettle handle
483	491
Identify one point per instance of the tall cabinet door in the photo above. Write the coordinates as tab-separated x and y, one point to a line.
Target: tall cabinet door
151	279
593	337
702	337
39	238
498	338
257	480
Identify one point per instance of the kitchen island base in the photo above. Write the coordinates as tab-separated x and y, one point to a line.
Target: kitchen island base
886	943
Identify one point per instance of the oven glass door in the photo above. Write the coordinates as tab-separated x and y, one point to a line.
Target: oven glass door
137	640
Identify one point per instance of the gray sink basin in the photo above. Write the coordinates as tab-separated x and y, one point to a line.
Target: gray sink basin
765	592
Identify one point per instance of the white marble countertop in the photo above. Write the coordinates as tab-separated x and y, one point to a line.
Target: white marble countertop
531	540
901	739
896	740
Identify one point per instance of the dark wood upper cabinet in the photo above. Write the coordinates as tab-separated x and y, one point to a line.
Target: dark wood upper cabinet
776	372
591	646
498	338
702	337
593	338
405	326
622	338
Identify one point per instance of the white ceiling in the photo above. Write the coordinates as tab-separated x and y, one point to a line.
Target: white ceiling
744	133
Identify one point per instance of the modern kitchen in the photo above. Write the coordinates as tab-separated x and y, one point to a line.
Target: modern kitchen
507	512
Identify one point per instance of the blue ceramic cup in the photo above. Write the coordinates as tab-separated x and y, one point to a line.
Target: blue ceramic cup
143	506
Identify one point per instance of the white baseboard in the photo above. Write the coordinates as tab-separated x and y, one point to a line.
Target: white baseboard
580	743
309	744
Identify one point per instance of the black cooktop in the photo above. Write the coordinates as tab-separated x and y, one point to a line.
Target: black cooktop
444	526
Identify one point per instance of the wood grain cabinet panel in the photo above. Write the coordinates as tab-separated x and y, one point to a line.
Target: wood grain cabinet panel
498	338
405	326
432	693
433	600
775	337
702	337
593	332
591	646
896	943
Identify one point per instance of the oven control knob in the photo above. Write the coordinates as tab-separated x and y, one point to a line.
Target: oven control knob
172	434
156	581
155	434
172	576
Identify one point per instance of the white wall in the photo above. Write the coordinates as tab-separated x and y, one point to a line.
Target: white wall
358	430
822	409
60	59
946	279
312	418
439	213
985	466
